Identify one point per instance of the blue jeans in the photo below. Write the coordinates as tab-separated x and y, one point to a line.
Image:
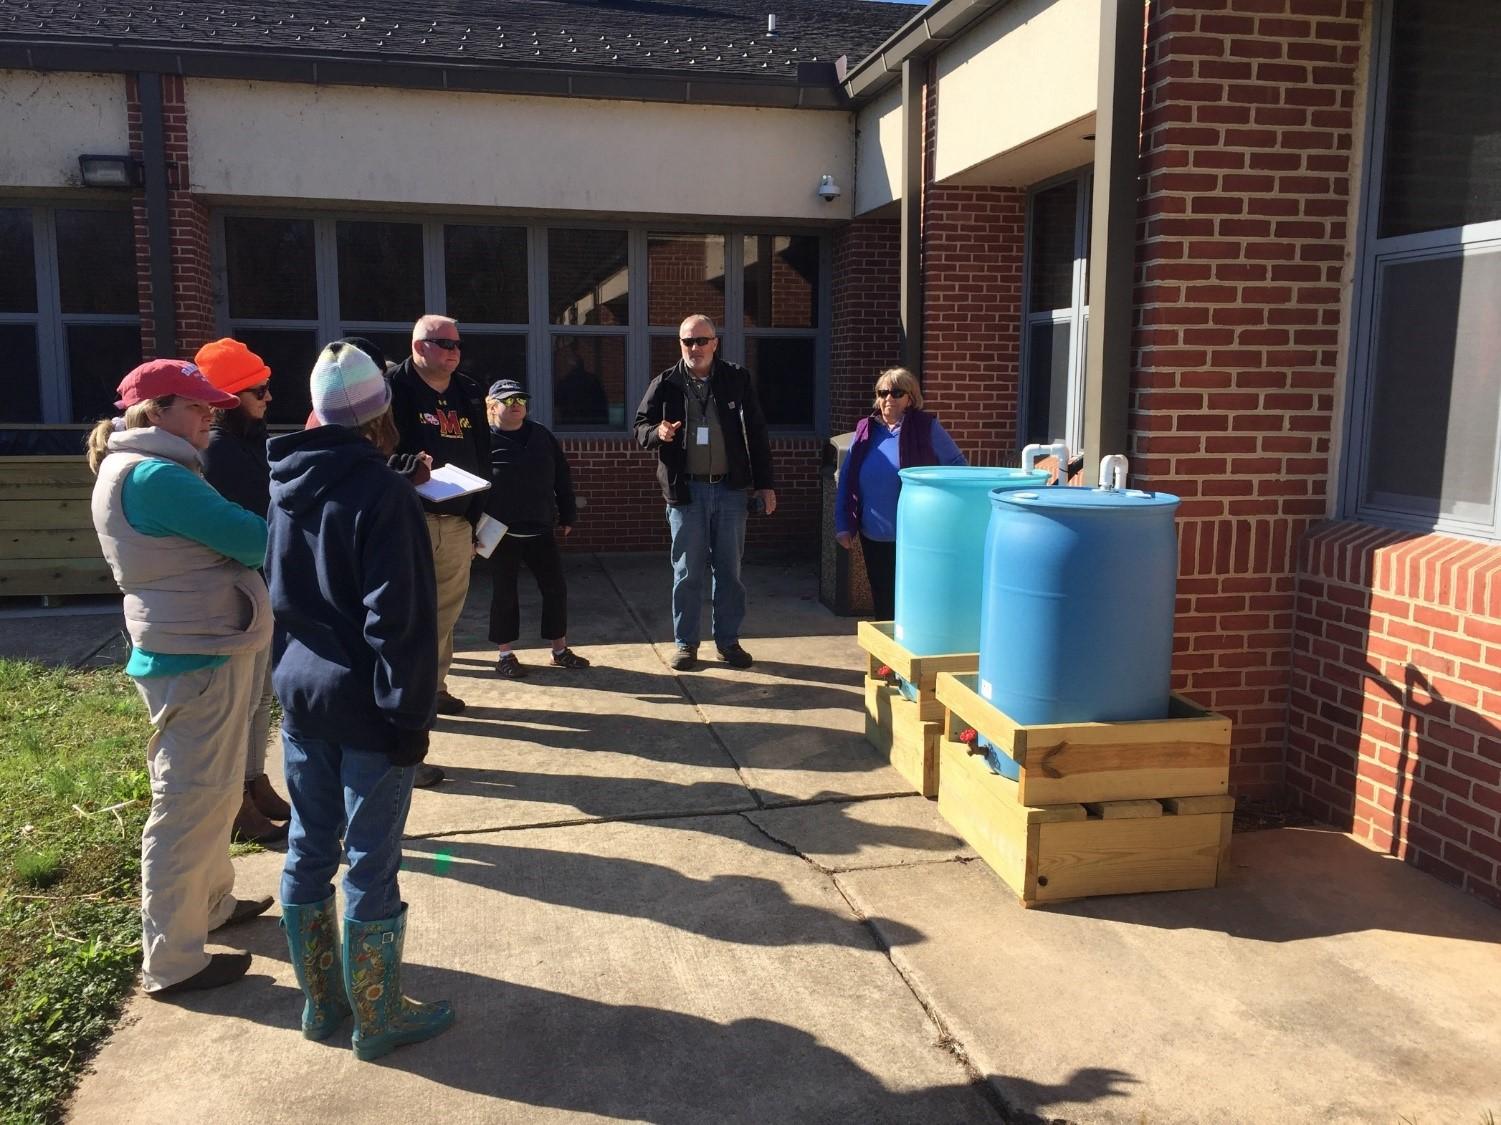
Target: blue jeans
344	790
708	535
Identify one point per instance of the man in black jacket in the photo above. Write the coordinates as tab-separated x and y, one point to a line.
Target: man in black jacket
441	412
704	421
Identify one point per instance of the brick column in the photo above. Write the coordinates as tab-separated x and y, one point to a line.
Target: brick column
192	269
866	315
1247	130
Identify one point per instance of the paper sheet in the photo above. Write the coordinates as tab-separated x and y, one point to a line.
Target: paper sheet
450	482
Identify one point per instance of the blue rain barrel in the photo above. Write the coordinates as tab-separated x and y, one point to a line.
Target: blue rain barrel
1076	616
940	544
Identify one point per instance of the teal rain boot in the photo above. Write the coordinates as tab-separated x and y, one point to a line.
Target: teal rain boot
384	1019
313	938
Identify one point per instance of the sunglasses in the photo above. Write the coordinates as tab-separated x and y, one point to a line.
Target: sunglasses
697	341
512	400
260	392
894	392
446	345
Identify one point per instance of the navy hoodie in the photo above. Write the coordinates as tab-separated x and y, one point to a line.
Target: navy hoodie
350	568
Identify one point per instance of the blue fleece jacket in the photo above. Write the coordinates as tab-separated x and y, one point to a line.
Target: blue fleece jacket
880	486
350	569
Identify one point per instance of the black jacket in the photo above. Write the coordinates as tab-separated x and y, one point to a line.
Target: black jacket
235	462
533	489
350	569
451	427
747	448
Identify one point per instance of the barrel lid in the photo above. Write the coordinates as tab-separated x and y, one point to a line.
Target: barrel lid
1083	498
974	475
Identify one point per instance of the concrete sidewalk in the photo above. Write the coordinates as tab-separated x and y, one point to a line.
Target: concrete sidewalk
701	898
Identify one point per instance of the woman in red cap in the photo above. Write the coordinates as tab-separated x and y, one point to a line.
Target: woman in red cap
197	613
235	464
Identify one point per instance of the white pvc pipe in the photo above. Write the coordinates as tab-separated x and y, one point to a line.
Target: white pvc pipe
1113	470
1035	453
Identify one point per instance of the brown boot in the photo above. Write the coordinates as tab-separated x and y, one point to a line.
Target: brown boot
268	800
251	825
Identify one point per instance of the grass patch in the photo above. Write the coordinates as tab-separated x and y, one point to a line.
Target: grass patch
74	794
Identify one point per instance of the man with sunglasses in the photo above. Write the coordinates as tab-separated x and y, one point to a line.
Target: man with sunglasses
704	421
441	412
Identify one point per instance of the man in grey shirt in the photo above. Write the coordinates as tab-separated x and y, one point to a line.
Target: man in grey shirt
703	419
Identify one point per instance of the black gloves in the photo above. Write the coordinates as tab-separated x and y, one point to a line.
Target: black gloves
411	466
409	749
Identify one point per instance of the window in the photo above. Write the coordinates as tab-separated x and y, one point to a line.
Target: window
584	315
1426	362
1055	317
783	296
69	318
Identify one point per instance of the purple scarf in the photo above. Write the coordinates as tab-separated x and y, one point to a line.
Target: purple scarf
914	446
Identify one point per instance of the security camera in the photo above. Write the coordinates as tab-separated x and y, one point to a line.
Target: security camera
828	190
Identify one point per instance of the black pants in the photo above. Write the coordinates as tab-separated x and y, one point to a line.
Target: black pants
540	553
880	568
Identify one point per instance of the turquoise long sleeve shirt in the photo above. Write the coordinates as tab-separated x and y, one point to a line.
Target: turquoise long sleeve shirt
162	498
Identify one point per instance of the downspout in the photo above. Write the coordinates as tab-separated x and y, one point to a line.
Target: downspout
1112	250
158	225
914	87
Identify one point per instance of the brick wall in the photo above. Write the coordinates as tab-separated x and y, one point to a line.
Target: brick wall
192	268
1396	691
866	312
1242	242
623	508
973	242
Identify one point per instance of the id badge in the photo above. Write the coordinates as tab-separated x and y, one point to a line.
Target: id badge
703	435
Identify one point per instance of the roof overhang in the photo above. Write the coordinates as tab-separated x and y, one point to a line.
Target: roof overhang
925	34
815	87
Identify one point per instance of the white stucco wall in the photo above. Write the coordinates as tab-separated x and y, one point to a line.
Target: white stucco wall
50	119
878	151
1018	75
268	140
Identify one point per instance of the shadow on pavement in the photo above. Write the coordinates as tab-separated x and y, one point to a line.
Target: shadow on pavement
549	1049
746	909
1296	884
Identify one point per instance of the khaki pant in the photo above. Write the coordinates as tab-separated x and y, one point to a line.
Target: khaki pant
196	760
261	697
453	554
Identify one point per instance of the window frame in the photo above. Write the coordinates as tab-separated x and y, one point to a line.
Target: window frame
55	389
540	332
1076	314
1372	255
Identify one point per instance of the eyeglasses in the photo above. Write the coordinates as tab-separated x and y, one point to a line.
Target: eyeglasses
446	345
512	400
893	392
697	341
260	392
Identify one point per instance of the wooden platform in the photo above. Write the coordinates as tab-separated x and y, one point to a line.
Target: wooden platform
1099	808
906	730
47	540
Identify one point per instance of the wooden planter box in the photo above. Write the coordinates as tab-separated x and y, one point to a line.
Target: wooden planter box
906	731
1100	808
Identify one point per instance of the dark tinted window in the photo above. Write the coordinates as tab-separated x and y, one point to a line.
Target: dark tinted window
96	262
270	268
17	261
588	280
485	269
781	281
380	271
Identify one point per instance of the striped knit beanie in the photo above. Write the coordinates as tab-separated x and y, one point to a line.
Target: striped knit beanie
348	387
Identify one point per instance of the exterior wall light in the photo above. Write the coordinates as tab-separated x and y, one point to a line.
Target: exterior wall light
109	171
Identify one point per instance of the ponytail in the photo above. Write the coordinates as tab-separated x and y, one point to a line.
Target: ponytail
137	417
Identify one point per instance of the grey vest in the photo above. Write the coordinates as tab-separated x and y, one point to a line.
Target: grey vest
180	596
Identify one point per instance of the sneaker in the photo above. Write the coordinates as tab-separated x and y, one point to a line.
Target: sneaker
427	776
568	659
683	659
507	667
736	657
449	704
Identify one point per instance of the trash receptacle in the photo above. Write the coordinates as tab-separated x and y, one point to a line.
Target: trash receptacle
842	585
